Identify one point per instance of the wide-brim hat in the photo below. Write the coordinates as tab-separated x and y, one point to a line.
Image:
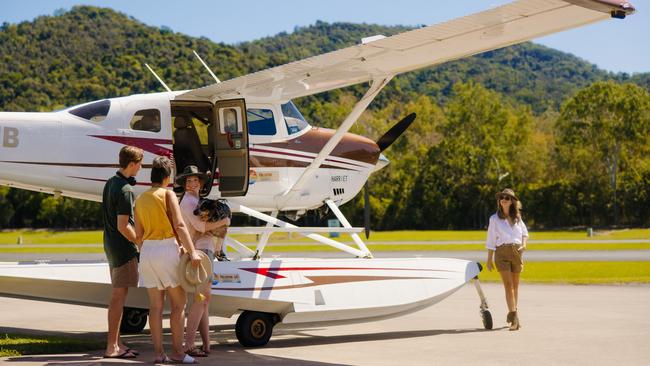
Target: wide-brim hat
189	171
193	278
507	192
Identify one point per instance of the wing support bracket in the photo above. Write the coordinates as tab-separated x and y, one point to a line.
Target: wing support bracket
272	221
346	224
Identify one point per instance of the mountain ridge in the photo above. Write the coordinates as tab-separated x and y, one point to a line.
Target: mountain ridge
90	53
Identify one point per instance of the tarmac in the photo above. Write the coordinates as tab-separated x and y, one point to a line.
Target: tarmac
529	256
562	325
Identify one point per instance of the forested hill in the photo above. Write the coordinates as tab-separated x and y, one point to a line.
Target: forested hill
89	53
502	118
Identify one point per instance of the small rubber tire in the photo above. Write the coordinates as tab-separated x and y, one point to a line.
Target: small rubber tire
254	328
487	319
133	320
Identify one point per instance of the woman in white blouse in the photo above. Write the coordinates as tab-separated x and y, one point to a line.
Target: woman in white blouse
507	237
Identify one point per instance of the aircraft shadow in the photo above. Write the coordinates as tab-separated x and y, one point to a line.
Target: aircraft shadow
307	339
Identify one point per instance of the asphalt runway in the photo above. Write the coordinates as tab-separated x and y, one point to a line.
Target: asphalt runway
533	255
562	325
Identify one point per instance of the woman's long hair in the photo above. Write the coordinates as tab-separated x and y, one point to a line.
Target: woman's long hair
514	212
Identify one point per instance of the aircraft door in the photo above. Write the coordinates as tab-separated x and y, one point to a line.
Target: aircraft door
230	142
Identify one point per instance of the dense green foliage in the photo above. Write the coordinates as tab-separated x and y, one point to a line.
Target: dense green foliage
502	118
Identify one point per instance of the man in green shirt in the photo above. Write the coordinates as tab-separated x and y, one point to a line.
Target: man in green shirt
119	239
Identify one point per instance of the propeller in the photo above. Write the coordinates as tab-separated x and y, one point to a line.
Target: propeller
384	142
396	131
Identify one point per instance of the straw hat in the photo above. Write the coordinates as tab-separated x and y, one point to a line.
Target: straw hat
507	192
192	278
190	170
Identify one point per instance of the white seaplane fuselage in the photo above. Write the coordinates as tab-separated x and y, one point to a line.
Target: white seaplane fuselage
64	154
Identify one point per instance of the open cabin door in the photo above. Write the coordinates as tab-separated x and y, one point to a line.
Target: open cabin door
214	137
231	144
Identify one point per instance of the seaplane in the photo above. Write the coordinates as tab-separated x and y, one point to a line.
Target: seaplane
265	158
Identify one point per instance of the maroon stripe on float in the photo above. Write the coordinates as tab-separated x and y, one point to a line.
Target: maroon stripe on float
326	280
269	272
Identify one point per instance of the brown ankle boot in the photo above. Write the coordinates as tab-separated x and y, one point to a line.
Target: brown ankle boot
515	321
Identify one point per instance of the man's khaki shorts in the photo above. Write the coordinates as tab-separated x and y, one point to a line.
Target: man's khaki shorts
125	275
508	258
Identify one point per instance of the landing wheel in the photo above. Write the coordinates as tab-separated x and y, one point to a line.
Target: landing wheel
487	319
133	320
254	328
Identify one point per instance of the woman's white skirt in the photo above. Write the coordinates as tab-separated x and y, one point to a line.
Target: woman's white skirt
159	261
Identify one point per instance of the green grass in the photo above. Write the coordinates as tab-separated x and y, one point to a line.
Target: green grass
94	237
18	345
51	237
579	273
53	249
456	247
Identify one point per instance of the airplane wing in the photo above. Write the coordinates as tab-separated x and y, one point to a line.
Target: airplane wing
502	26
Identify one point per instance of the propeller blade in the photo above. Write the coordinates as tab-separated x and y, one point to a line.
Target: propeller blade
366	210
396	131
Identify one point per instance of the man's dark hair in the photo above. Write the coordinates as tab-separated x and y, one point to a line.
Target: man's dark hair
130	154
161	169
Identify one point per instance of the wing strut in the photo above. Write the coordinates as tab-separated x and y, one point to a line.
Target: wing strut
376	86
346	224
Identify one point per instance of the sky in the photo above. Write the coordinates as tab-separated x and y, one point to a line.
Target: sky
613	45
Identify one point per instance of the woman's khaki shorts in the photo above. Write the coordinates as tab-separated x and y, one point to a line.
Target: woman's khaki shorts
508	258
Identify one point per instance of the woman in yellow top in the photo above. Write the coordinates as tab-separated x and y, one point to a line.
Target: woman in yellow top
155	212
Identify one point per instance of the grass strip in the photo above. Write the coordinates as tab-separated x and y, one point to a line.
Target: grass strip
53	249
18	345
458	247
579	273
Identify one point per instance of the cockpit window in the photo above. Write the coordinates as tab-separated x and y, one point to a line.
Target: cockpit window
146	120
293	118
260	122
94	112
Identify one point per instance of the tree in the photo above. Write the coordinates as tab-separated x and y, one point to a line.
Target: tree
481	137
603	127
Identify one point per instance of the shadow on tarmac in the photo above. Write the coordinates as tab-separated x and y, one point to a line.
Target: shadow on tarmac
224	347
315	340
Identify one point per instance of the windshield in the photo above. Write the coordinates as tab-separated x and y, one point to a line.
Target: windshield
94	112
293	118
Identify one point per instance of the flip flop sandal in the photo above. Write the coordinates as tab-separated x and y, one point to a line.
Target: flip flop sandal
135	352
187	359
196	352
123	355
163	360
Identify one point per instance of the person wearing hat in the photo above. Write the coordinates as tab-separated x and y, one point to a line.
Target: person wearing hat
158	226
506	241
192	179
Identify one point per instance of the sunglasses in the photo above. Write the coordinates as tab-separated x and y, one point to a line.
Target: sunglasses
505	198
